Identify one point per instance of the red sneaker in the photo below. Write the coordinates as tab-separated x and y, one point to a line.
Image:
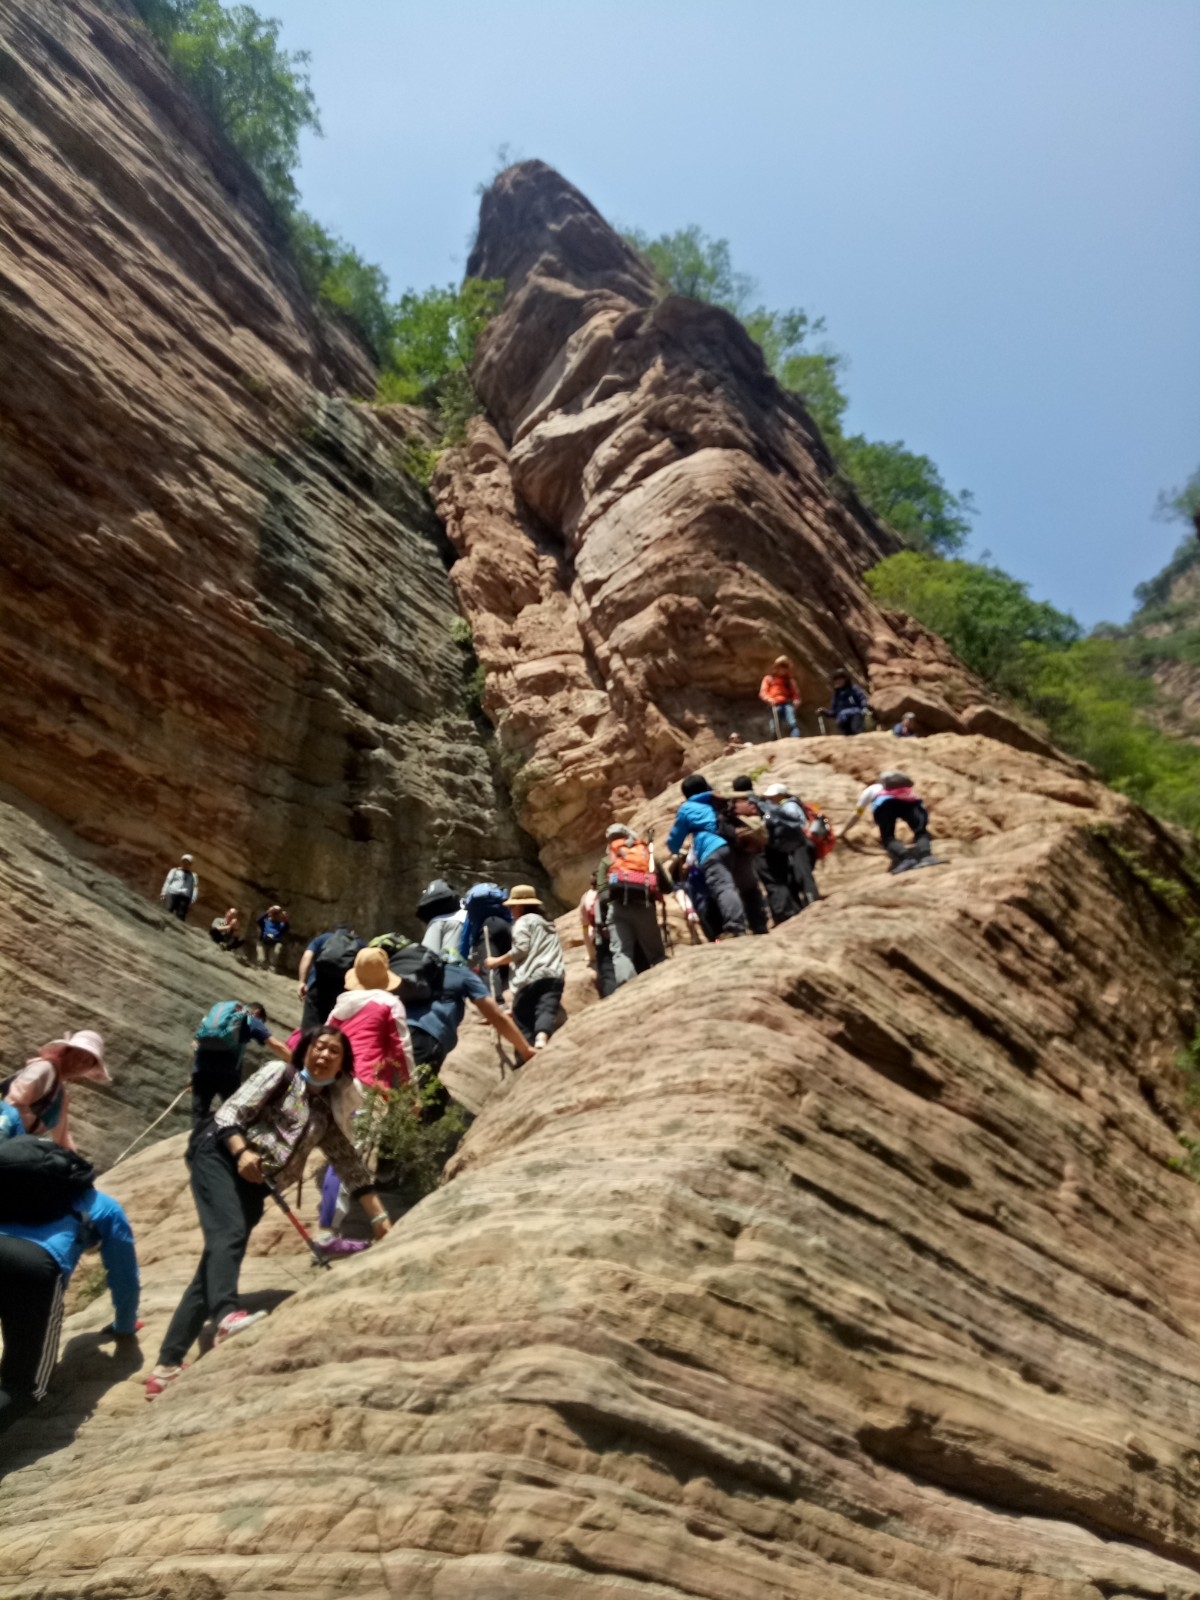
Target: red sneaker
161	1379
236	1322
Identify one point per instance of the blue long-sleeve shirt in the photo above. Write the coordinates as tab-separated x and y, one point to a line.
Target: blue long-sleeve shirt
698	817
97	1219
849	697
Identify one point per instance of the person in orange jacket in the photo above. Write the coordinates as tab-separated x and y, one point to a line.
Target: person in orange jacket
778	690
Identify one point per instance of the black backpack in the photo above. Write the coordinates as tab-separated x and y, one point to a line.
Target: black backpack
421	972
740	822
40	1181
331	964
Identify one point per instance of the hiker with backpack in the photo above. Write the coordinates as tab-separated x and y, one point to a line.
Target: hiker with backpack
773	865
633	902
262	1135
789	850
539	971
891	801
219	1048
323	968
848	705
486	932
272	930
442	914
38	1093
180	888
778	691
50	1213
718	833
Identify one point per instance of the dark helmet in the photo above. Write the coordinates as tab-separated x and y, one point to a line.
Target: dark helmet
439	900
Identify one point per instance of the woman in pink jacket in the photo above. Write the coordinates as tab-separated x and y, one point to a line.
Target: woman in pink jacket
39	1091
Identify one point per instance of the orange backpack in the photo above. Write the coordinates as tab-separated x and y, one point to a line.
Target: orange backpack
630	877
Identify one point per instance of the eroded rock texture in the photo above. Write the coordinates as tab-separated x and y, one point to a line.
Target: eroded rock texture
843	1263
225	622
644	521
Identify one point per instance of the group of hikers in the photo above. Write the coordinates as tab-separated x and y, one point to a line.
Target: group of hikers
380	1016
848	709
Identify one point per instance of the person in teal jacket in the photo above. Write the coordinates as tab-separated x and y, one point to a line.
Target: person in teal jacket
729	874
36	1263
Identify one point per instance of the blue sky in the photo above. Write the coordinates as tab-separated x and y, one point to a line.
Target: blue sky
995	204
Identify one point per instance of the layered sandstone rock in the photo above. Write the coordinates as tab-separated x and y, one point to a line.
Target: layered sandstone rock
847	1262
644	520
225	623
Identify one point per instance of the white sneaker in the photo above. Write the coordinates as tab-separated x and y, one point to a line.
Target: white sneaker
542	1040
236	1322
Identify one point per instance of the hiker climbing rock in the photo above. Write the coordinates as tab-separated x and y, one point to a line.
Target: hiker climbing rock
226	931
730	876
38	1093
906	728
539	972
486	931
180	888
849	705
434	1022
443	915
790	856
774	866
220	1044
50	1213
890	801
262	1133
323	968
634	898
597	935
272	930
778	691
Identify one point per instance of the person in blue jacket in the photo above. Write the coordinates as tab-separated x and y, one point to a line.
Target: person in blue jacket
729	874
36	1263
849	706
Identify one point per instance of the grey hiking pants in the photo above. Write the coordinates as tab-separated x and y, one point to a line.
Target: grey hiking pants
635	935
731	878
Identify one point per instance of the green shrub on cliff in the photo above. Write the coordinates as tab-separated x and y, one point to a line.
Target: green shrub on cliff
336	273
432	345
903	488
1088	691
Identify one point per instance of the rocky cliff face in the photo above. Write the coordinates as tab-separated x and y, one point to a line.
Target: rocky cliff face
644	520
846	1262
225	622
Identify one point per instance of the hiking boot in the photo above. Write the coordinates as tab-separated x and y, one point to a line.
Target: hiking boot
160	1380
236	1322
542	1040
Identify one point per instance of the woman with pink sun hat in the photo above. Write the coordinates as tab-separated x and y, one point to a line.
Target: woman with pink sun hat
39	1091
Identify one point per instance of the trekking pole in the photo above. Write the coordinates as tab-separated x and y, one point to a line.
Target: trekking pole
320	1259
775	720
821	721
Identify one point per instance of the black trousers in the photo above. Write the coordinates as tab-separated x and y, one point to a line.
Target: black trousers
31	1313
229	1209
179	905
731	878
212	1077
775	875
889	812
606	976
535	1007
428	1055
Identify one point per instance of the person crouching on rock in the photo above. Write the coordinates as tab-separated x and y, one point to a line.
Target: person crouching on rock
890	801
848	704
38	1093
539	972
262	1134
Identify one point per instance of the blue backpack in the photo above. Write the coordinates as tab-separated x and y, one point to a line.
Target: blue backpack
222	1027
483	901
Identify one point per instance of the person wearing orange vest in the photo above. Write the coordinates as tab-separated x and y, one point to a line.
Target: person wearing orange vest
633	901
778	690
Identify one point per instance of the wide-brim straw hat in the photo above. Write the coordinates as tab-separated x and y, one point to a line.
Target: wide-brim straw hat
371	971
523	894
86	1039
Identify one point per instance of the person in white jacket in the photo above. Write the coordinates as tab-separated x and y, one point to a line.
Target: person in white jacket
180	888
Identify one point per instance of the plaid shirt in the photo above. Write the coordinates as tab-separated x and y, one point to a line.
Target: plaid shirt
284	1127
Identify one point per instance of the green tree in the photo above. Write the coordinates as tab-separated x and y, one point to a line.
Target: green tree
432	346
904	489
334	271
258	93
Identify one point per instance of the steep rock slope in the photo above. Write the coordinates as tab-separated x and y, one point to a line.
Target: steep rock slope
224	615
843	1263
79	949
644	521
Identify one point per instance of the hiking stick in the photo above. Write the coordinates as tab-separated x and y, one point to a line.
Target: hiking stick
821	721
775	720
318	1255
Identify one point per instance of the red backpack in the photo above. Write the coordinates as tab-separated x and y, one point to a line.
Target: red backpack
630	876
